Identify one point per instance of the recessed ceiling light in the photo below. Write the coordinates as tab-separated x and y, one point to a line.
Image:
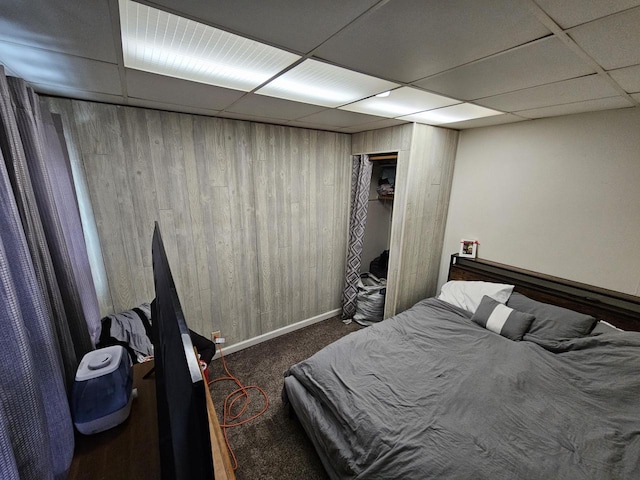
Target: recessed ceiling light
384	94
456	113
166	44
323	84
402	101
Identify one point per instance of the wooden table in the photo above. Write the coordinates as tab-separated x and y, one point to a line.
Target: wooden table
130	450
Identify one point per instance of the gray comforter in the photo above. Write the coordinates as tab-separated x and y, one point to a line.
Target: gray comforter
429	394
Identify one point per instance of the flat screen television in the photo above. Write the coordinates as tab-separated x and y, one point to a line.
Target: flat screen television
183	425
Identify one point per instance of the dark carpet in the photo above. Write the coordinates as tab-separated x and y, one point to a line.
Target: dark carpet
274	446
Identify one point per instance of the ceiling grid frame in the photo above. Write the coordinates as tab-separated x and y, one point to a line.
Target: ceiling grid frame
28	23
559	32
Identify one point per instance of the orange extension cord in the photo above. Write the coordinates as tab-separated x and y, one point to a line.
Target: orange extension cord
227	412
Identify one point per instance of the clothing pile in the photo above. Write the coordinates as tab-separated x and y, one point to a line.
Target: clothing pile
132	329
387	181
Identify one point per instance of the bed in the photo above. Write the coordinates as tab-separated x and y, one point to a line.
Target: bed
431	393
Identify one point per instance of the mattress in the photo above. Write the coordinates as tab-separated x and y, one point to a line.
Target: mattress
430	394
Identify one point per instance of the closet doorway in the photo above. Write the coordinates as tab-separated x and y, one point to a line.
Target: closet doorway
424	171
377	234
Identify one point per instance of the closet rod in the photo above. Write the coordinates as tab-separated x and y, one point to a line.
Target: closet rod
392	156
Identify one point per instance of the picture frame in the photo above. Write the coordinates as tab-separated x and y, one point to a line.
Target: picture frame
468	248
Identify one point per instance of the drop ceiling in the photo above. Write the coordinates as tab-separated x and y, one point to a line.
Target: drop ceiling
324	61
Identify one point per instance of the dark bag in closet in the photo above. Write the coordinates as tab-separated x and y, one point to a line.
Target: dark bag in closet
380	265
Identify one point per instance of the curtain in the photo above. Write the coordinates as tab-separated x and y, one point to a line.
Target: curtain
360	184
48	306
50	182
37	433
70	257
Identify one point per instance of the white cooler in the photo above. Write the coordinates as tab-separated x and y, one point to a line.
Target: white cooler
102	393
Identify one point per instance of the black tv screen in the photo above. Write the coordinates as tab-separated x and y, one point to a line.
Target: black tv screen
183	426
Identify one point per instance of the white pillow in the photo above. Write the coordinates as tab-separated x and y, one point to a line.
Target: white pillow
468	295
605	327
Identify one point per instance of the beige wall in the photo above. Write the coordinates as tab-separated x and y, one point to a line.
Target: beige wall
559	196
253	216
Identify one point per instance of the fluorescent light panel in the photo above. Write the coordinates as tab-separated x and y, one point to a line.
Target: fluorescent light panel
166	44
456	113
323	84
402	101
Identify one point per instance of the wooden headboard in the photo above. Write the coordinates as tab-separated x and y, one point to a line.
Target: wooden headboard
619	309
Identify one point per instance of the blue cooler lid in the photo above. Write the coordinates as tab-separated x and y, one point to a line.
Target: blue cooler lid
99	363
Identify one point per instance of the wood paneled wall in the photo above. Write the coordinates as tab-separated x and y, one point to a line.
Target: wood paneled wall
391	139
253	216
427	188
423	184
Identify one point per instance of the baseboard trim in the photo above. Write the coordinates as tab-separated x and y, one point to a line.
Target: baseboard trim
236	347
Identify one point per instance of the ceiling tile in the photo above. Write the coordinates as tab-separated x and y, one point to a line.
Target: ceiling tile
61	26
544	61
567	91
339	118
569	13
628	78
323	84
402	101
262	106
613	41
446	115
170	107
300	25
58	69
158	42
486	121
149	86
412	39
577	107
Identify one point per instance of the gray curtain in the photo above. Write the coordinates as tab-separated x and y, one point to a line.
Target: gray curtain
360	184
48	306
37	434
64	229
43	187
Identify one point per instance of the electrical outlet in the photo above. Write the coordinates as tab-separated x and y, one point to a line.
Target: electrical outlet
215	335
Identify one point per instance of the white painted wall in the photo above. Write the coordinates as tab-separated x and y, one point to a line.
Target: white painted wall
559	196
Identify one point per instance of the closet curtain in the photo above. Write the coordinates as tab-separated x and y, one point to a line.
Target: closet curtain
360	184
48	305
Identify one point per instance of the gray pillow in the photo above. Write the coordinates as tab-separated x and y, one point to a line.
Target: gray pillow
499	318
552	322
